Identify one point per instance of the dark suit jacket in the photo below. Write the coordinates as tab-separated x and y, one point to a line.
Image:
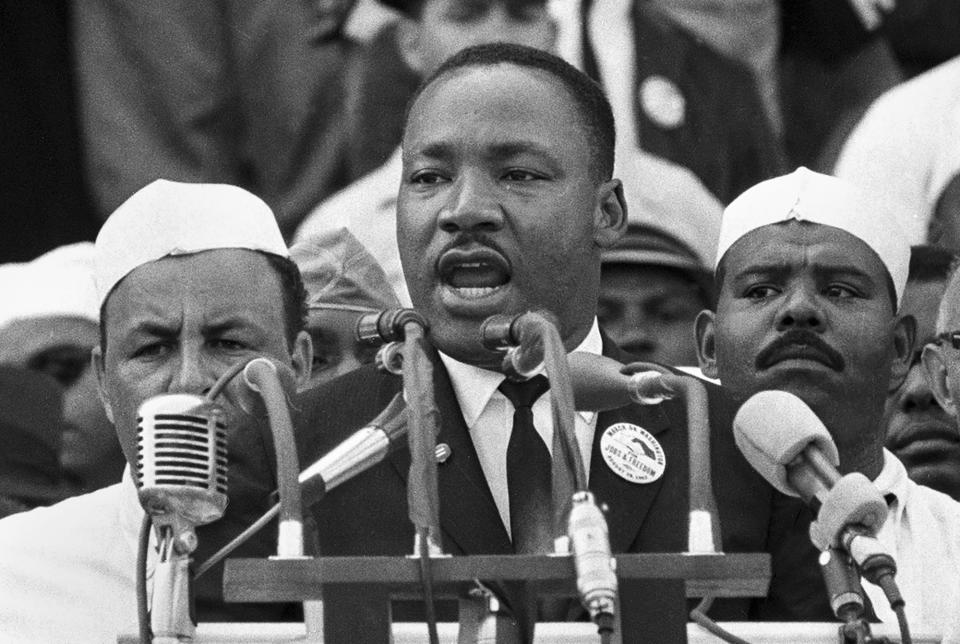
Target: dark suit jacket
368	515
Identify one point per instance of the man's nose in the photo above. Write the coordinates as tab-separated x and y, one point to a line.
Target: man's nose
800	310
192	372
916	395
473	205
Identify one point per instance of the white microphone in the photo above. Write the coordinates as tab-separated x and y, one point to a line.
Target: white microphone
182	459
785	441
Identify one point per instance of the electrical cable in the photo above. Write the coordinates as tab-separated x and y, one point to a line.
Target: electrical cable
426	578
237	541
699	615
225	379
905	637
143	611
605	622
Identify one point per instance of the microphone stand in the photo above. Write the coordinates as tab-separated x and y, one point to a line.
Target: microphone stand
704	526
405	354
533	343
170	619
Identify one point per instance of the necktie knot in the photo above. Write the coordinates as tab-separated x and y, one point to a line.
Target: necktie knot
524	394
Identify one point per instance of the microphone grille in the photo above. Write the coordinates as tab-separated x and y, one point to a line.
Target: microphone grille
182	456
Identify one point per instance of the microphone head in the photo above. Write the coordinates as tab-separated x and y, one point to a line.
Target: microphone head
182	457
772	428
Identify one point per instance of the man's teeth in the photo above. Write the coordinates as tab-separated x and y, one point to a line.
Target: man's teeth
475	291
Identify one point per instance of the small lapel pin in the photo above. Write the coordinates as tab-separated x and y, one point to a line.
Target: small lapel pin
442	452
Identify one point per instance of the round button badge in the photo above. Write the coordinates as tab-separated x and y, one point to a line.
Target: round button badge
663	102
633	453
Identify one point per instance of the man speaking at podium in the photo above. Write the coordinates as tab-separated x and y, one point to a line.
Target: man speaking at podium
192	278
506	202
810	274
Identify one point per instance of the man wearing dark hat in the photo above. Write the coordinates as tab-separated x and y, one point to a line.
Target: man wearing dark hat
652	286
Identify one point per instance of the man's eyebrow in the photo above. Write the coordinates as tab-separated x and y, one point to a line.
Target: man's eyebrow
768	268
436	150
229	323
152	327
443	151
842	269
514	148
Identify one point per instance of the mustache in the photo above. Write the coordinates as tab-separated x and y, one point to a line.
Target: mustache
814	347
471	238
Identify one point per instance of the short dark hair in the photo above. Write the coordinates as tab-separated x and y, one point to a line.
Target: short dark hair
587	95
930	263
291	286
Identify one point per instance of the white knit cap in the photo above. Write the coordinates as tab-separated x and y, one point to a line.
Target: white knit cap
171	218
805	195
56	284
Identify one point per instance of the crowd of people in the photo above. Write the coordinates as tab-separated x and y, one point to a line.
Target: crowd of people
265	173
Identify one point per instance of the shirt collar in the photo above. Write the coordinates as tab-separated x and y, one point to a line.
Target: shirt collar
474	386
893	480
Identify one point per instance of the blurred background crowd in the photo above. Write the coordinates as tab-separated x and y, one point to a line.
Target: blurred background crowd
302	103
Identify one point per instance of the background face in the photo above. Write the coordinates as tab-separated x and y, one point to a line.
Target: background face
805	308
497	206
447	26
649	311
60	347
335	349
919	431
176	324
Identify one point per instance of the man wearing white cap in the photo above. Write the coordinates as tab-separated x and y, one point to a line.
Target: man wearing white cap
49	316
810	276
183	297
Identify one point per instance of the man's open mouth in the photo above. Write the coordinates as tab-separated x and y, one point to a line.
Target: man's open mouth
473	273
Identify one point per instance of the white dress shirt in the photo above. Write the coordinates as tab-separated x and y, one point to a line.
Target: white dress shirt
922	532
489	418
67	572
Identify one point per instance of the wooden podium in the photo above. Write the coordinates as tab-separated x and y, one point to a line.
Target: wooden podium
357	591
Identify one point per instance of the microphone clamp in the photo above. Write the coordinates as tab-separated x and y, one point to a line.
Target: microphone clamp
380	327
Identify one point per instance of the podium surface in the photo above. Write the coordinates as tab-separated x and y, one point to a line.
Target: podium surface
561	633
357	591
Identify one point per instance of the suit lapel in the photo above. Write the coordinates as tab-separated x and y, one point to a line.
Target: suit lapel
628	502
468	515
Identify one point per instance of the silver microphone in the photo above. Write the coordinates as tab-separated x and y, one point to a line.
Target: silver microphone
590	542
182	459
182	475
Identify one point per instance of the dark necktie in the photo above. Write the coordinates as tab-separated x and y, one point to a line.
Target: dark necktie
528	471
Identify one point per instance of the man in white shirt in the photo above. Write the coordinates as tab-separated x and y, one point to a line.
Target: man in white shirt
810	279
183	298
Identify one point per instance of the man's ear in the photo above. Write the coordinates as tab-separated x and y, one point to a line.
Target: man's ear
409	35
96	358
936	371
610	217
301	359
706	345
904	339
